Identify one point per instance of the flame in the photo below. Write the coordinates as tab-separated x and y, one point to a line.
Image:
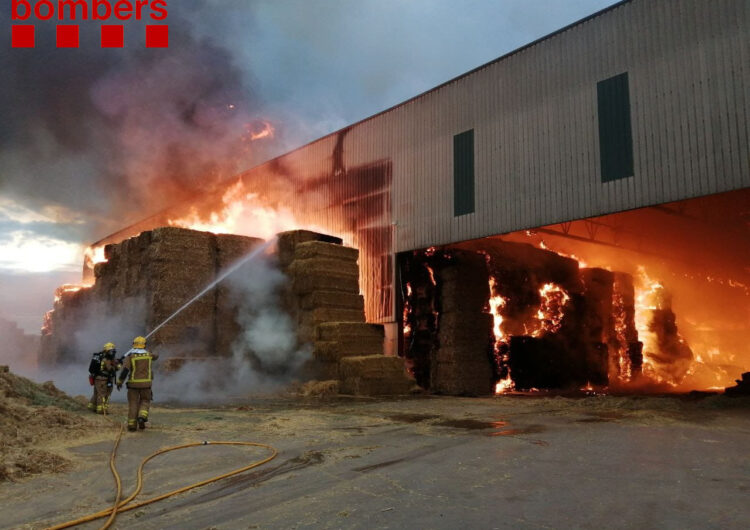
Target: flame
243	213
407	310
505	385
620	325
431	273
648	294
94	255
68	288
496	304
551	309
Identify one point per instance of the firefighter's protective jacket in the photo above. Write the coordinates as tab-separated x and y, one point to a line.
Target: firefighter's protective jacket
137	367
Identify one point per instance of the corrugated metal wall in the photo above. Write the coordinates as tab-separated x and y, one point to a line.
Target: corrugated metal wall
536	132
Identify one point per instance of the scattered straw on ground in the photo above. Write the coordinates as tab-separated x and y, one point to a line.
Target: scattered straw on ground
34	417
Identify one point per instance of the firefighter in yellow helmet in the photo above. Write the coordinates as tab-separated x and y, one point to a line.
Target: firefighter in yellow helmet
102	371
137	370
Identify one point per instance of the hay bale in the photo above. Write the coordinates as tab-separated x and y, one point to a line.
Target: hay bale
370	365
229	248
465	323
340	331
466	378
374	375
310	283
336	350
322	266
464	353
326	314
320	249
329	299
319	369
319	388
288	241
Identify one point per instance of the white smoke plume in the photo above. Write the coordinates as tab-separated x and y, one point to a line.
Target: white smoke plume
266	356
98	325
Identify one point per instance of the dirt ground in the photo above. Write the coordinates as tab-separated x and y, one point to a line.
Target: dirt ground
421	462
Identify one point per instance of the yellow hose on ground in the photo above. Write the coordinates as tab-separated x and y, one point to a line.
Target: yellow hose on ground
115	474
125	505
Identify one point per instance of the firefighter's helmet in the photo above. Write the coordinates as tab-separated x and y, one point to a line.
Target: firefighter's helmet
109	346
139	342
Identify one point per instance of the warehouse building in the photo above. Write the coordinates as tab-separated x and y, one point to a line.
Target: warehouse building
618	141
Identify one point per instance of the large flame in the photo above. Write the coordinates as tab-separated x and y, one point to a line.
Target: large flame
243	213
496	305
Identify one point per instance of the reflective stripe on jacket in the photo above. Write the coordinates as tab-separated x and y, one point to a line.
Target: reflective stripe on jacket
139	369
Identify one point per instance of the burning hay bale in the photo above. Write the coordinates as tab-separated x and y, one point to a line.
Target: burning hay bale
551	324
668	352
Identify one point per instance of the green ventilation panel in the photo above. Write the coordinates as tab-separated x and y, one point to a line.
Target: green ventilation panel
463	173
615	132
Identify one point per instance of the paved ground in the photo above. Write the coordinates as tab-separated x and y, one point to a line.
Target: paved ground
427	462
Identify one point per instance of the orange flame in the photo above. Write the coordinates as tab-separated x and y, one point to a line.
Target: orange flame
407	310
551	309
243	213
94	255
496	304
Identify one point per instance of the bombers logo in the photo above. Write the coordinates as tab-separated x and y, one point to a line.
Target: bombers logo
107	12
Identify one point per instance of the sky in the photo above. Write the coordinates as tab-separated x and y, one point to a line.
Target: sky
92	139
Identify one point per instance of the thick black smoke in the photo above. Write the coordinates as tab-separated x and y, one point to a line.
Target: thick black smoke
116	134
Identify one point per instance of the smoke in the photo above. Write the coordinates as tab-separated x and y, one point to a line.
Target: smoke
269	337
266	355
17	349
115	134
96	325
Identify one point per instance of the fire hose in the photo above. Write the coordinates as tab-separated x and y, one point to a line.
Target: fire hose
126	504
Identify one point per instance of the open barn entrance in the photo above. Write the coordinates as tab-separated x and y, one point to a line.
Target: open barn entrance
649	300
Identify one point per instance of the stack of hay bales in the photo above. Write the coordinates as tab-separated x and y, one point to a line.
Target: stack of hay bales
324	300
146	279
229	249
463	365
179	263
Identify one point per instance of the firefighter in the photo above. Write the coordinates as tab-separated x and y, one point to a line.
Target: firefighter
137	370
94	368
105	378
